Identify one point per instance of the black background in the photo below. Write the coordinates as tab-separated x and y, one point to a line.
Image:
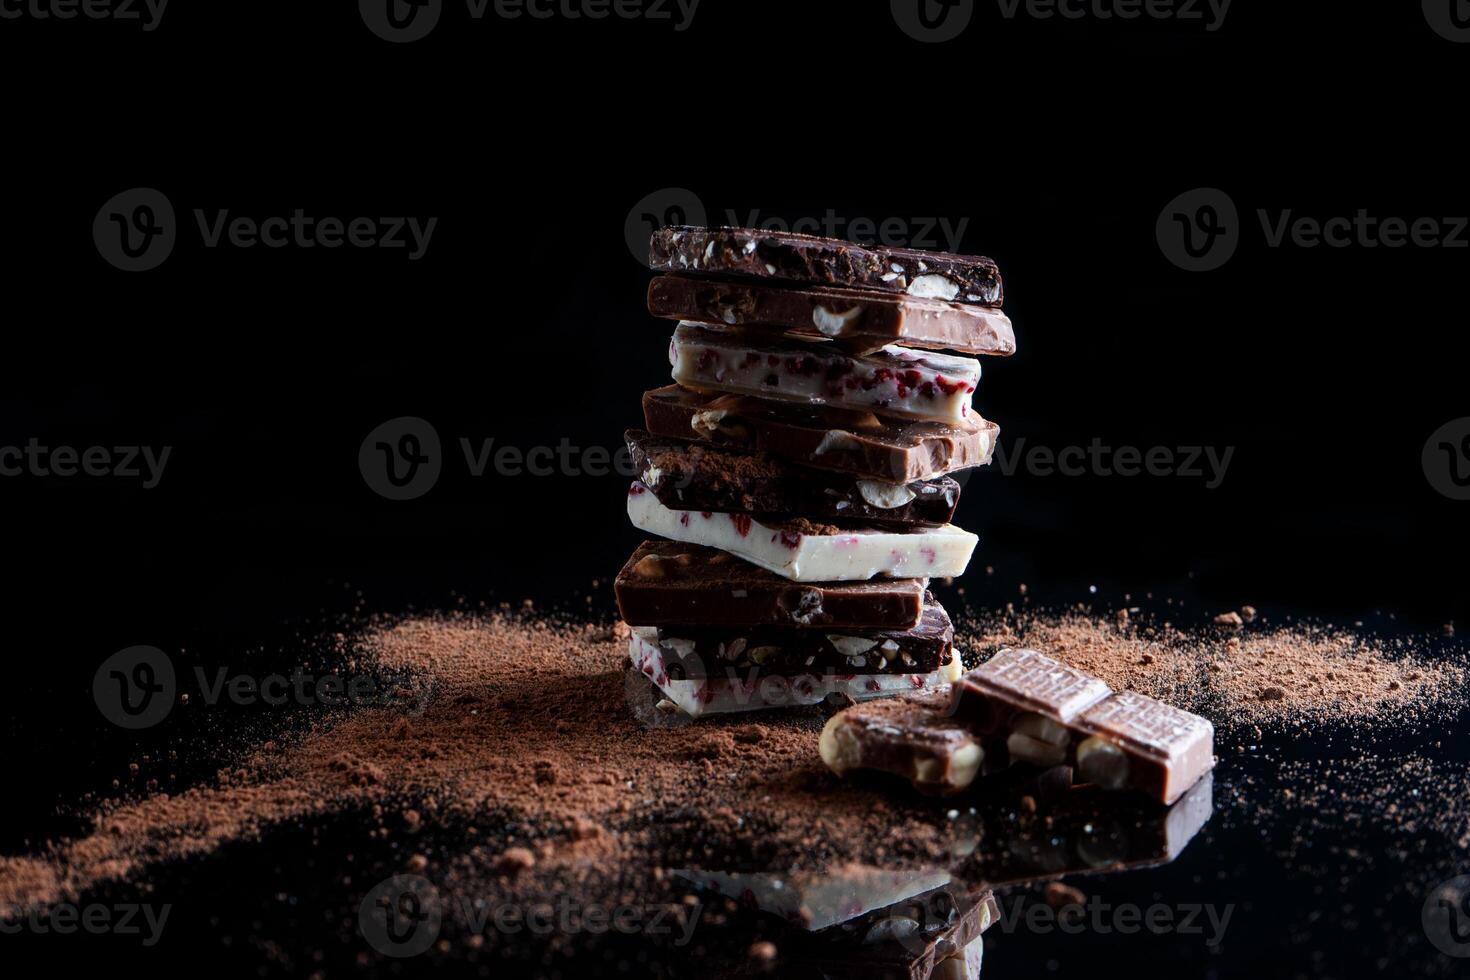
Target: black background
1061	142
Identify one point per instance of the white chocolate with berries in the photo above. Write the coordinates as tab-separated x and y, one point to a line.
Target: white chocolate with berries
804	552
891	381
751	690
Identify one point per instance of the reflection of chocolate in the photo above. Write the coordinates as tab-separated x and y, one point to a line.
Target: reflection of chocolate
793	257
866	923
689	475
1088	830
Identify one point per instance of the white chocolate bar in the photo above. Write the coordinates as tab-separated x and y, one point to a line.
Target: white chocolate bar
847	556
890	381
752	691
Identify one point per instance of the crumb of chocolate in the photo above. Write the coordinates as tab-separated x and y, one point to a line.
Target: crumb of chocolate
1229	619
1059	895
515	860
763	953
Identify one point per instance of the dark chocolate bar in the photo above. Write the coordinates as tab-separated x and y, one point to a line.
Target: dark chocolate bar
855	443
699	651
668	583
827	262
689	475
855	319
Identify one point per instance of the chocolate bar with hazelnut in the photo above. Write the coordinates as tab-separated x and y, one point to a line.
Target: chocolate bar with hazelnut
669	583
702	651
914	737
1036	710
853	318
689	475
808	259
856	443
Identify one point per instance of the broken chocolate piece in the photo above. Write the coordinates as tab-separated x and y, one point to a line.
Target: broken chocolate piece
826	262
669	583
855	443
689	475
913	737
855	318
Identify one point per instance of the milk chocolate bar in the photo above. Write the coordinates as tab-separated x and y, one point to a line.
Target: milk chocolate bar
700	651
807	552
1042	712
689	475
857	319
817	261
892	381
855	443
755	689
669	583
914	737
1022	706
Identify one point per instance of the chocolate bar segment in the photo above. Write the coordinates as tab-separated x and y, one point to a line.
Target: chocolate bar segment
817	261
1133	740
855	443
891	381
807	552
686	474
857	319
700	651
1016	681
914	737
668	583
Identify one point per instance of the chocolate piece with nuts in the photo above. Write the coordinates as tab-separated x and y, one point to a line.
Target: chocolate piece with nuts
914	737
791	257
668	583
855	319
701	651
854	443
689	475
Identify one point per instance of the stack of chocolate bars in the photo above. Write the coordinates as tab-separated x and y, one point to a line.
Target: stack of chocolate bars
800	467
